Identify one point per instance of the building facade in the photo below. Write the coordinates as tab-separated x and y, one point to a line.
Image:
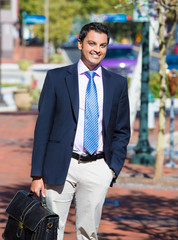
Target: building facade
9	33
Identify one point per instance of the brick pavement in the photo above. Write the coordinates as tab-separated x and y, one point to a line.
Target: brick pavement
132	210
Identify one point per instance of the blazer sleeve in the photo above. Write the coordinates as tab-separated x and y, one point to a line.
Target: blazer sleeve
121	134
43	125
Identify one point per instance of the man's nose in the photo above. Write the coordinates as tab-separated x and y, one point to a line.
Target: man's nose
97	48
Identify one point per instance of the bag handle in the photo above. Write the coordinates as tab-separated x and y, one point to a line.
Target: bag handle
42	199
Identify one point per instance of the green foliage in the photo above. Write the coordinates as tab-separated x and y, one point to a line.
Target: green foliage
154	85
35	93
99	6
56	58
24	64
121	30
118	30
32	89
31	7
60	20
5	85
62	13
154	82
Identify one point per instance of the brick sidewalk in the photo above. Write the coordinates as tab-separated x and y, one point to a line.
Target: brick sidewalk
132	211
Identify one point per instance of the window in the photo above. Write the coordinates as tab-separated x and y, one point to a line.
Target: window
5	4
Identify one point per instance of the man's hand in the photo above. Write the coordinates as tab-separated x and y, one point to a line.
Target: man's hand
37	186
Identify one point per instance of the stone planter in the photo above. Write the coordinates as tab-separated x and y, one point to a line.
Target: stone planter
23	99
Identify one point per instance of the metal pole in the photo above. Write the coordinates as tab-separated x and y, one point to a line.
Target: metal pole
171	151
46	33
2	103
23	30
143	149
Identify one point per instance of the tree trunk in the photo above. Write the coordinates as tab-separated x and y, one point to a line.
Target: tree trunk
163	86
164	42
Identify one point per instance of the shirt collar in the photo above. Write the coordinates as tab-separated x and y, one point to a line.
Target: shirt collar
82	68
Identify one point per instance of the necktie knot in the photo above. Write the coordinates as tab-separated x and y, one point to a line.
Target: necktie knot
90	74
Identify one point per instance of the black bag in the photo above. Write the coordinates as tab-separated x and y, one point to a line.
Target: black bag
30	219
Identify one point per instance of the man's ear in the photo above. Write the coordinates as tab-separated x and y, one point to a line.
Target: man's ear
80	44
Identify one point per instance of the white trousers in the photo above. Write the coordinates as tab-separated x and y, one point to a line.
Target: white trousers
88	183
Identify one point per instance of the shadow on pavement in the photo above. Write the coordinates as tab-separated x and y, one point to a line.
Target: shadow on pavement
151	216
137	214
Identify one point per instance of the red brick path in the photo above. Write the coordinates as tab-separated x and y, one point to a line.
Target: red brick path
131	212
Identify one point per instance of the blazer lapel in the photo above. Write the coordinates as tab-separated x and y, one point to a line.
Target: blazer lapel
72	85
108	94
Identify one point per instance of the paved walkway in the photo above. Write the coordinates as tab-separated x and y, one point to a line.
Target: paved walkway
135	208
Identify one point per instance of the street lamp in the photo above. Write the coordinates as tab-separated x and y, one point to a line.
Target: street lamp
143	149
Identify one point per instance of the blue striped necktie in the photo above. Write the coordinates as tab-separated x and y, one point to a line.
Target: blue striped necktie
91	115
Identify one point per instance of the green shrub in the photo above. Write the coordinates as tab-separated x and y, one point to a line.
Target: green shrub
56	58
24	64
154	85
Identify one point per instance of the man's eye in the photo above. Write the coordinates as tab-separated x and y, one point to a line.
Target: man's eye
91	43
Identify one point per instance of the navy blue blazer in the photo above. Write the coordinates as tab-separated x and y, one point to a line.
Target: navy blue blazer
57	122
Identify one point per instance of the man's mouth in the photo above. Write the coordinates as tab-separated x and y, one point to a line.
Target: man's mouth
95	54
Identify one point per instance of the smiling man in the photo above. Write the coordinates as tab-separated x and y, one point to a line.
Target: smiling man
81	134
93	48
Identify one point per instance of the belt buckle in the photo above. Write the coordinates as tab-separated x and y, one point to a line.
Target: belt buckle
80	157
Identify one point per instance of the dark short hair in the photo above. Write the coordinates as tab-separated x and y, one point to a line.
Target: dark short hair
97	27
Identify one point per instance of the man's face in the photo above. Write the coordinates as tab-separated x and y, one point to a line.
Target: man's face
93	49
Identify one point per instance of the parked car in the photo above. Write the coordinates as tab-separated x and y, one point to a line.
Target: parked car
120	58
33	42
72	42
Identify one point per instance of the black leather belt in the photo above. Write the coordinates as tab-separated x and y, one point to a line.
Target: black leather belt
86	157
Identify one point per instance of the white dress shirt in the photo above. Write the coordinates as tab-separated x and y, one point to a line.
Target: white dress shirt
82	83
